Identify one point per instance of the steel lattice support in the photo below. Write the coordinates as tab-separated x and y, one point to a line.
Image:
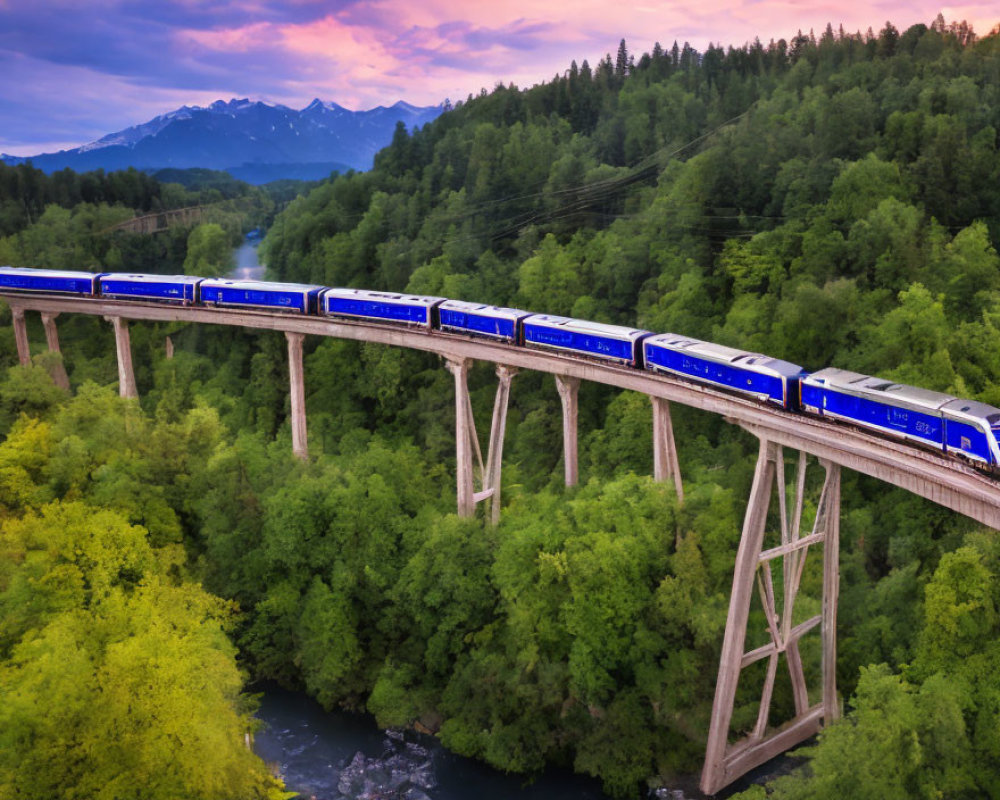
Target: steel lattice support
724	762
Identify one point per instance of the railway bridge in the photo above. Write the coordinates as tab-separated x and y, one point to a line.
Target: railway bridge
931	475
159	221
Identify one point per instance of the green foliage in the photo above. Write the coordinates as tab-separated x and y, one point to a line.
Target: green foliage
209	251
116	669
66	220
117	679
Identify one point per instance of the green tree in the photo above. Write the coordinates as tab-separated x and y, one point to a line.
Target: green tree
209	251
118	680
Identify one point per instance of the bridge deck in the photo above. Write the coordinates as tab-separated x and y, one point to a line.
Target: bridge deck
929	474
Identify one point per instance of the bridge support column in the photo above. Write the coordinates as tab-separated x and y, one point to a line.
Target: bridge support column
494	456
21	335
58	369
467	441
464	432
724	762
123	346
568	391
297	393
665	463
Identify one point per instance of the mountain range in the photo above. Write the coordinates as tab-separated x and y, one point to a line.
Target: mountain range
252	140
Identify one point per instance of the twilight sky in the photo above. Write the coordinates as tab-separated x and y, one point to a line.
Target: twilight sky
74	70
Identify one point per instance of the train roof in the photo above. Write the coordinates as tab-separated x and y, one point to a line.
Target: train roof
391	297
265	286
483	308
918	396
973	410
126	276
52	273
585	326
869	385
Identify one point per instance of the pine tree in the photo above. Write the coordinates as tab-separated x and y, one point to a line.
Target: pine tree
621	61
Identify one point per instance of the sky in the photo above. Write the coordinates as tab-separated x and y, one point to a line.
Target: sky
72	71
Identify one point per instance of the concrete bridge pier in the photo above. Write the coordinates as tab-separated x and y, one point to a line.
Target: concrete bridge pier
123	347
725	761
21	335
467	441
665	463
568	389
494	456
297	393
58	369
464	433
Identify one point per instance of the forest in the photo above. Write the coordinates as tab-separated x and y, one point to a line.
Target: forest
830	200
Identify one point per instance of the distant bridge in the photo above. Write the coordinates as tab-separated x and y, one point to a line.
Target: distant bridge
160	220
929	474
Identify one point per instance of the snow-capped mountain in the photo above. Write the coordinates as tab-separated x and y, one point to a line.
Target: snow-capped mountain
252	140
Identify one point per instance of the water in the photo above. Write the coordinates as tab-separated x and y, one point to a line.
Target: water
340	756
248	267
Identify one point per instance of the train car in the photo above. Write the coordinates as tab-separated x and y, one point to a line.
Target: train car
47	281
906	412
407	309
477	319
765	378
181	289
296	298
582	337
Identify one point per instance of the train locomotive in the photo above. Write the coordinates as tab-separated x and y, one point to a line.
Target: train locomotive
964	429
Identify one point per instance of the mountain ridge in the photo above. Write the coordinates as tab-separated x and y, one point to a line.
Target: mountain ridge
247	138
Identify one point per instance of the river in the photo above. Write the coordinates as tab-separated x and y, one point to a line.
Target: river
341	756
248	267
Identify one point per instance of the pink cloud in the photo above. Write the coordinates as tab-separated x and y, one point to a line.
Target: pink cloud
360	53
239	40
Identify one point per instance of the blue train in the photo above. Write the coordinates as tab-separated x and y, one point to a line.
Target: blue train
595	339
966	429
762	377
